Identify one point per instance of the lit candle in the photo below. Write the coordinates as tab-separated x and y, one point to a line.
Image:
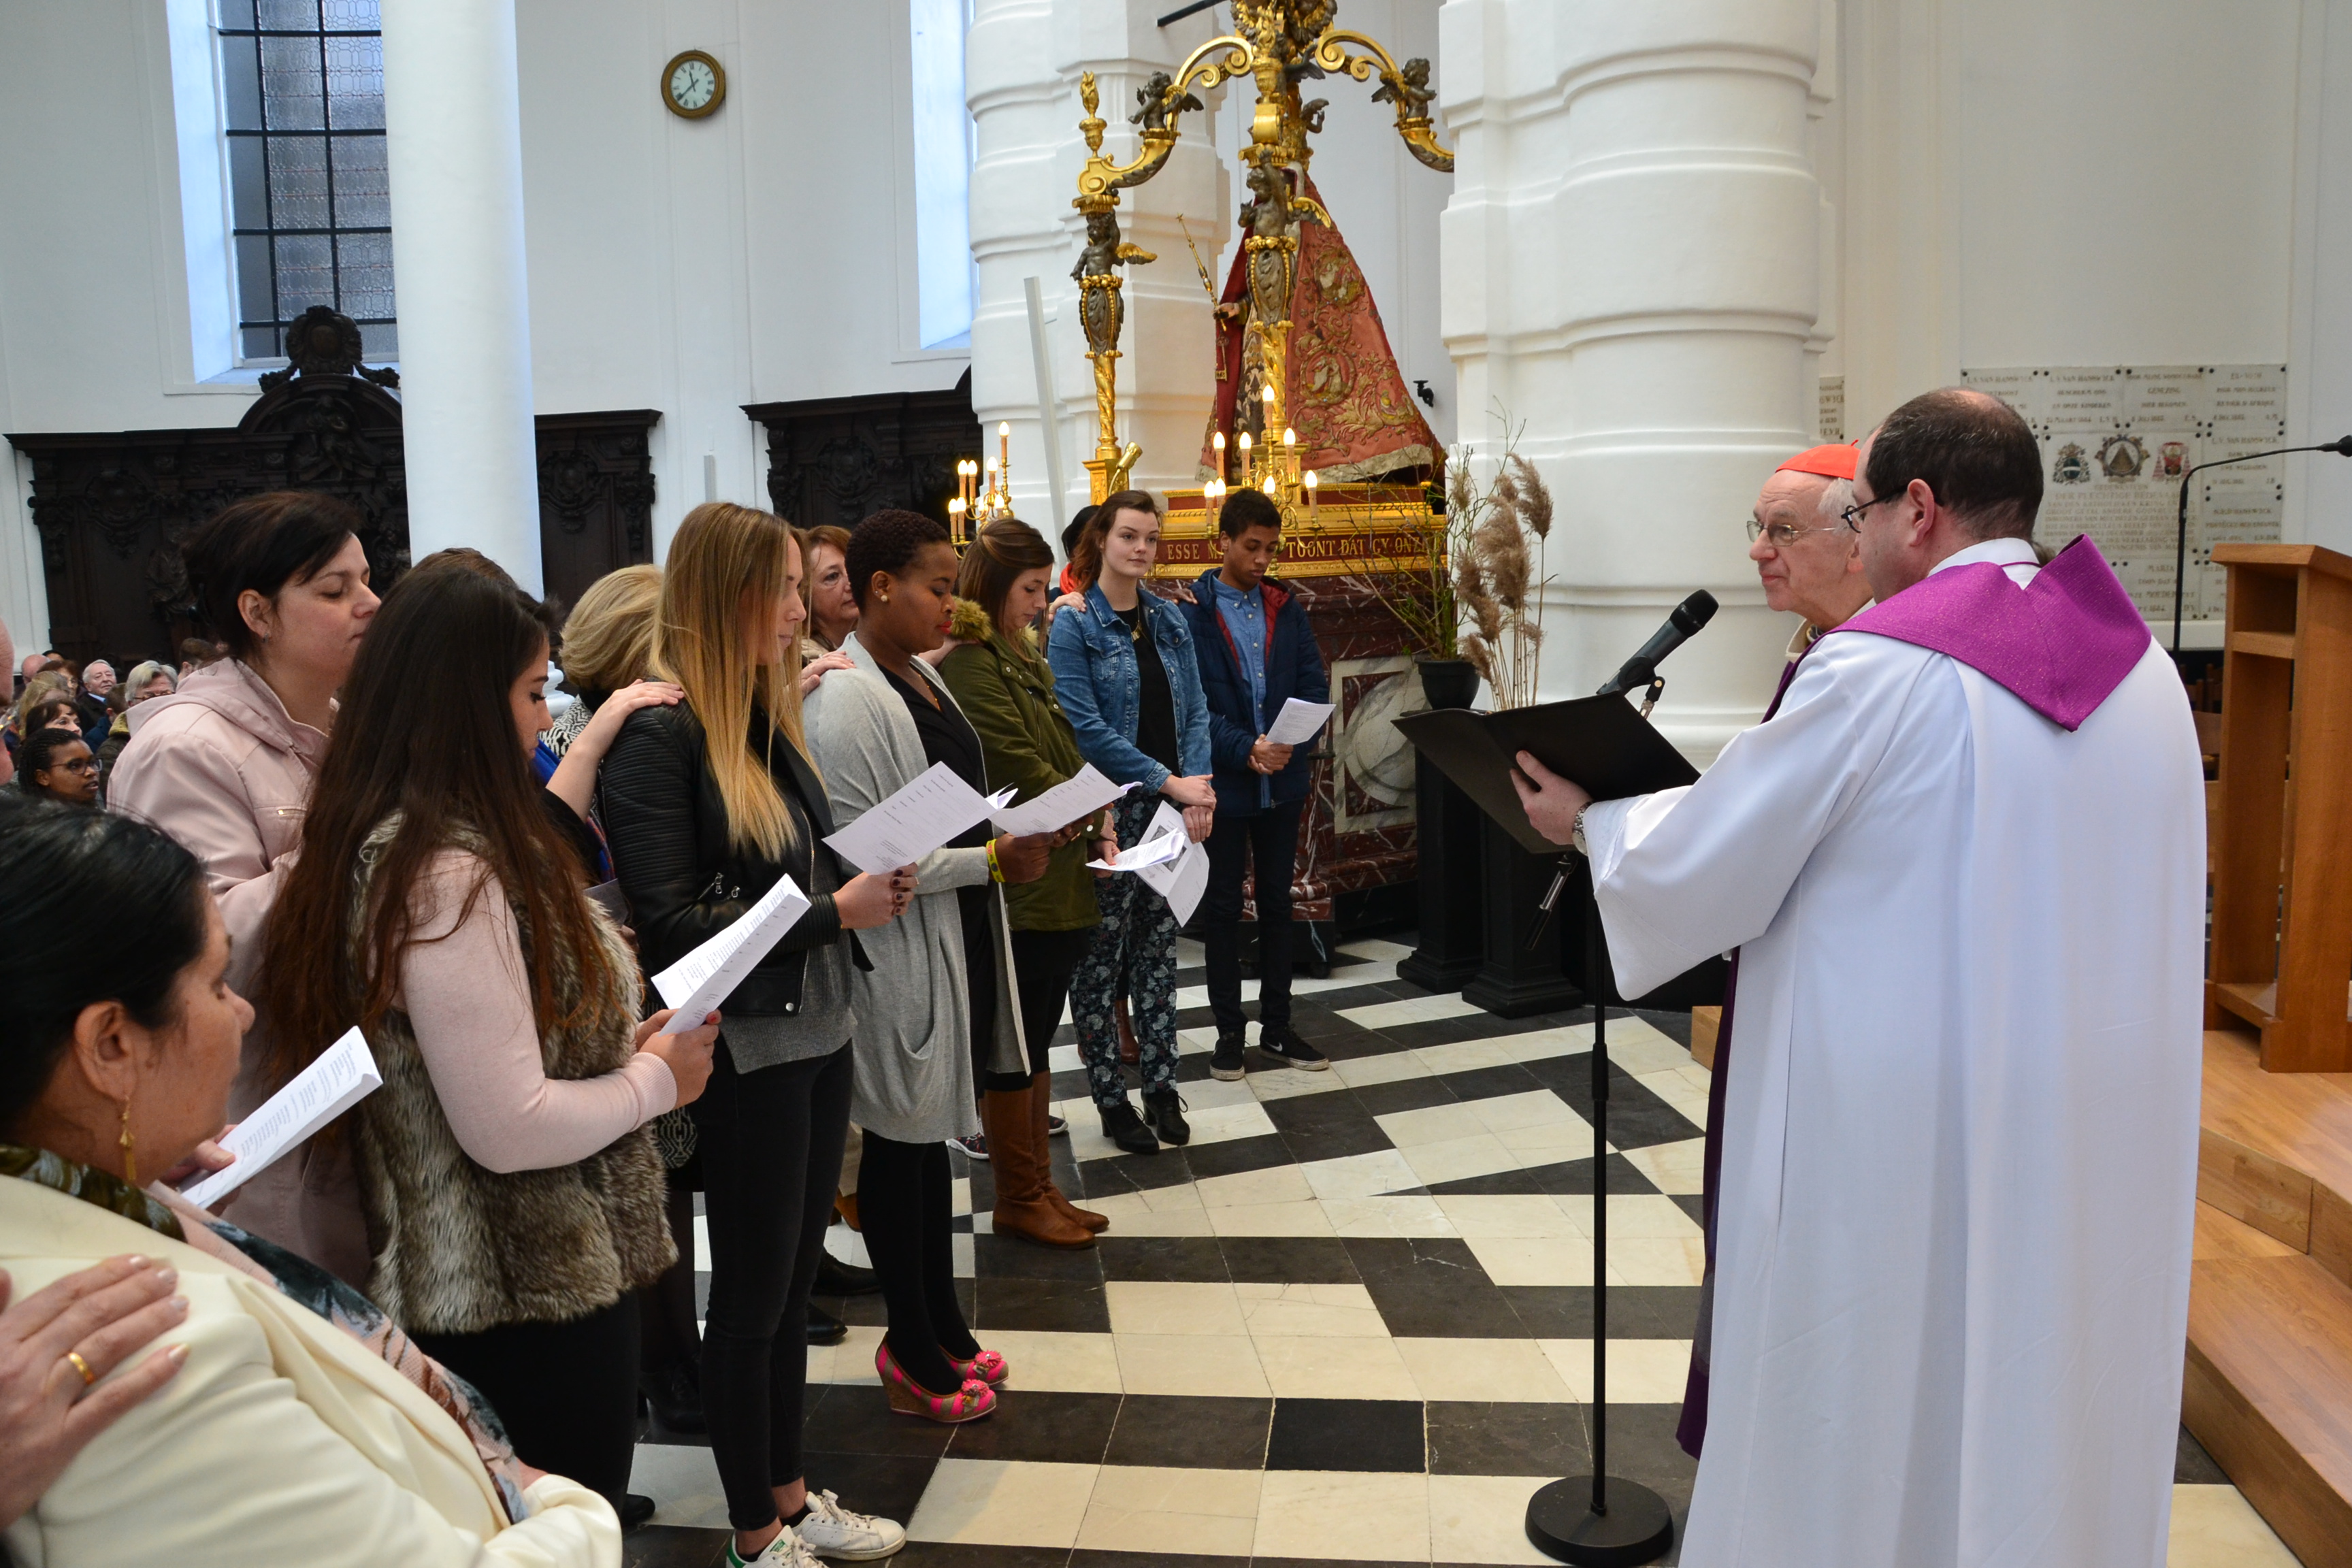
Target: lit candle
1243	440
1004	449
1217	445
1309	482
955	520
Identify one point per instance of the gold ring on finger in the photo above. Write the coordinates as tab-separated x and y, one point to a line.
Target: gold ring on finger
81	1367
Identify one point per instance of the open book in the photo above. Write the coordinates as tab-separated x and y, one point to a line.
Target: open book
343	1075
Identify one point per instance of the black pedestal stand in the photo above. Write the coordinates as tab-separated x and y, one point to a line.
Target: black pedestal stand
1599	1520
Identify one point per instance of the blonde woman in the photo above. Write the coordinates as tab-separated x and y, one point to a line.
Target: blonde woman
706	804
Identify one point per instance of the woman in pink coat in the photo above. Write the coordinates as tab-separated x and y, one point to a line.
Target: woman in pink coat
225	766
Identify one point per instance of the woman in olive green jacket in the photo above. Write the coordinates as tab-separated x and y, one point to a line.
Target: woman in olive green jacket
1000	680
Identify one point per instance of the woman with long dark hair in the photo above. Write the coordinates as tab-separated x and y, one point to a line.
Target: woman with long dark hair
512	1196
707	804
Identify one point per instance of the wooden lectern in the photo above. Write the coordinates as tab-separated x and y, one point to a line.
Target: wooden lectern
2281	943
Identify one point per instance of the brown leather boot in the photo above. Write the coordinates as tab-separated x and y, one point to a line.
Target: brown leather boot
1016	1164
1040	1105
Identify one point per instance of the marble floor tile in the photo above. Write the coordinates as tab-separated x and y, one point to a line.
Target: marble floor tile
1387	1067
1188	1511
1540	1045
1133	1213
1374	948
1304	1217
1488	1370
1214	1124
1317	1368
1347	1433
1480	1153
1532	1108
1533	1216
1673	1167
1482	1518
1468	1055
1049	1361
1361	1175
1308	1312
1675	1088
1445	1123
683	1481
1510	1260
1189	1431
1410	1010
1151	1306
1549	1142
1641	1372
1190	1364
1289	1083
1392	1216
1643	1260
1274	1185
852	1361
1325	1515
1632	1217
2216	1527
1005	1502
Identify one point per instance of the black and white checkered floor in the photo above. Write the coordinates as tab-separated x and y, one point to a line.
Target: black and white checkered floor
1351	1321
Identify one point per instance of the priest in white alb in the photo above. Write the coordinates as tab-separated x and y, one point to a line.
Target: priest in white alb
1963	864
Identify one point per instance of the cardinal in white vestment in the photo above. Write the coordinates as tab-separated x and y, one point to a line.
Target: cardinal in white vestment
1964	863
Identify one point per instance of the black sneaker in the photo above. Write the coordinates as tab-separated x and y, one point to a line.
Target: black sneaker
1165	1111
1284	1046
1123	1127
1227	1066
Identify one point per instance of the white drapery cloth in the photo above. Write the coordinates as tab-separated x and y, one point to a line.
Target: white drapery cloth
1960	1154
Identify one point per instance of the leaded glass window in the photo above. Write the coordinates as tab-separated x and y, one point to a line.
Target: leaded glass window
311	202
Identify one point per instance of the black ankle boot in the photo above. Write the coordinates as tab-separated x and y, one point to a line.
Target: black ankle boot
1123	1127
824	1327
675	1395
1164	1110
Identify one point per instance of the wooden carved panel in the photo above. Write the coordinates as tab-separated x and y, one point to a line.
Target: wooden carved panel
112	508
836	459
595	497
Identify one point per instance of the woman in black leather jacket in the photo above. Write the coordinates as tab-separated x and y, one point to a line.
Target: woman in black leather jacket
706	805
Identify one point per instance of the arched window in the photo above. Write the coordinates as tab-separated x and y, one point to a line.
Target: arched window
302	84
943	145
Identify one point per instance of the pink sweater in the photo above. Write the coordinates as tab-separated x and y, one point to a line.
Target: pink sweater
468	1000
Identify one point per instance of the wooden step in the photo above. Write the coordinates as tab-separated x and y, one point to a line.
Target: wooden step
2269	1384
2269	1391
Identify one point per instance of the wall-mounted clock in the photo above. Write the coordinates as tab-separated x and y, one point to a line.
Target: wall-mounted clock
693	85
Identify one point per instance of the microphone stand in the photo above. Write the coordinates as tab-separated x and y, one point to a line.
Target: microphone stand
1599	1520
2341	446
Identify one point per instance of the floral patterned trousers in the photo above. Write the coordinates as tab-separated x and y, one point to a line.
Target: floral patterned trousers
1134	953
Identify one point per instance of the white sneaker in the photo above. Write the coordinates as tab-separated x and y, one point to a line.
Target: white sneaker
833	1531
786	1551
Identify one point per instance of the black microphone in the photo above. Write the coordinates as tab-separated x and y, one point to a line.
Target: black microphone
1642	667
2341	446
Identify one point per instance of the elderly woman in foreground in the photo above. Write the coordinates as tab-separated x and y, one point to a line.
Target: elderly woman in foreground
302	1427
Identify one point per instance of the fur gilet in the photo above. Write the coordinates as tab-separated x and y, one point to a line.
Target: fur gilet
459	1247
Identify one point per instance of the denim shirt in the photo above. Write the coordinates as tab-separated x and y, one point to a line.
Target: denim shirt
1243	614
1100	687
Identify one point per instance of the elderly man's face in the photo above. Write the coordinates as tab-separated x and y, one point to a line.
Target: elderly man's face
97	678
1807	561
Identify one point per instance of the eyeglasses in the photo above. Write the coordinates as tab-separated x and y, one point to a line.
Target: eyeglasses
1782	535
1852	516
78	765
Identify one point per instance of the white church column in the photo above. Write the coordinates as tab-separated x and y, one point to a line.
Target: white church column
1630	270
454	139
1022	75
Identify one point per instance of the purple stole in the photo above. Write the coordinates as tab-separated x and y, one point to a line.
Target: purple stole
2061	645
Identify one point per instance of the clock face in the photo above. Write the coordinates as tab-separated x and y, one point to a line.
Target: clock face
692	85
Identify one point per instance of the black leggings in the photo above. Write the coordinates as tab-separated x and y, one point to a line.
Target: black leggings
567	1393
1044	962
770	1148
670	1342
902	1202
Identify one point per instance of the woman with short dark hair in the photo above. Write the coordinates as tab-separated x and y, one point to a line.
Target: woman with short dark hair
55	764
226	766
302	1425
938	1006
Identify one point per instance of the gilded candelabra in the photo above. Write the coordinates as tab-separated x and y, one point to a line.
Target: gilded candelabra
981	496
1277	44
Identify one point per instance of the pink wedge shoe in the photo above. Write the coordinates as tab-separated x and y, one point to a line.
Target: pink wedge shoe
970	1403
988	1367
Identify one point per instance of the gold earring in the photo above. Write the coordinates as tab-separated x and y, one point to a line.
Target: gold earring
130	1146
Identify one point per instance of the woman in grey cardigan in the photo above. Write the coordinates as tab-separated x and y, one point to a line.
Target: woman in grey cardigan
936	1009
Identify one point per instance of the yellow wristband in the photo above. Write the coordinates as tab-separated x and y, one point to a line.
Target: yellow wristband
996	872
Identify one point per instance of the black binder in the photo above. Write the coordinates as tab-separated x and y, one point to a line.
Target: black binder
1602	744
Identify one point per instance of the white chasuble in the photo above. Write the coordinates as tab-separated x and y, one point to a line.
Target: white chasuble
1960	1137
